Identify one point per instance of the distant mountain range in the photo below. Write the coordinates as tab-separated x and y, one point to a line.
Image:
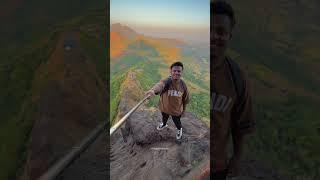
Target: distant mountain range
122	36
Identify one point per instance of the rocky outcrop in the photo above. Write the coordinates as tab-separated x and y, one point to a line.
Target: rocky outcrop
140	151
71	99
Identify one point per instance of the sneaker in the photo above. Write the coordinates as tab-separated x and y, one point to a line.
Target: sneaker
161	126
179	134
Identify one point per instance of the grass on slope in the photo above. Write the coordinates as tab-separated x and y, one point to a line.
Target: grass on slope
36	18
18	112
125	62
287	136
287	125
115	93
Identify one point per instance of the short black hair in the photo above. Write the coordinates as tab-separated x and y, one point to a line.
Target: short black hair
222	7
177	64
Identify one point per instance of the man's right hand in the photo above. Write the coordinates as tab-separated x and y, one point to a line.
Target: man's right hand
150	93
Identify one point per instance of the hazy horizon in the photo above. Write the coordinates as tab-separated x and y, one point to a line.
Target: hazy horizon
186	20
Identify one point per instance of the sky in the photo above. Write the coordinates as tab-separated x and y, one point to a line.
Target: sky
188	20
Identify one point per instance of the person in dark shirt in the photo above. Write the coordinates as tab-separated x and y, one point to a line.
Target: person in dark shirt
231	101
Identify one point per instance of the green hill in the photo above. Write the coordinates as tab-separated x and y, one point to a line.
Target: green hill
28	42
275	42
30	20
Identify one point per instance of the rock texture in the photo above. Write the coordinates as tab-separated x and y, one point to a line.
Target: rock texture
140	151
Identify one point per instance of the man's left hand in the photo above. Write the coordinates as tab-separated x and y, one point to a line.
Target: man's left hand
233	167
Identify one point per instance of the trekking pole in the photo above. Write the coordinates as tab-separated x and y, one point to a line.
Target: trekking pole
56	169
124	118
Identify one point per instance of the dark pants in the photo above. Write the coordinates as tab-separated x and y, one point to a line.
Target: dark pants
176	120
220	175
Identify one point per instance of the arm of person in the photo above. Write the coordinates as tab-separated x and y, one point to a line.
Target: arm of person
234	163
243	124
185	100
156	89
238	141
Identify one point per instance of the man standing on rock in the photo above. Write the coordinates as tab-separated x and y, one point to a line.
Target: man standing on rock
230	99
174	97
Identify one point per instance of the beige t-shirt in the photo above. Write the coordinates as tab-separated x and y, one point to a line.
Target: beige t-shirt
173	100
224	100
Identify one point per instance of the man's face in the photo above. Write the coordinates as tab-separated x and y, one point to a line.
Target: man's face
176	72
221	34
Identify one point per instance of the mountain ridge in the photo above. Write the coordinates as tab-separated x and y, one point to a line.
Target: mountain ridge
68	68
169	49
